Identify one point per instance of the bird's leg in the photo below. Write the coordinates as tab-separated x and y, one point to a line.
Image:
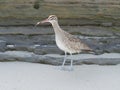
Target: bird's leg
71	63
64	59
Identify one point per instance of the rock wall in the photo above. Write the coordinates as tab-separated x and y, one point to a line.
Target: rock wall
41	40
80	12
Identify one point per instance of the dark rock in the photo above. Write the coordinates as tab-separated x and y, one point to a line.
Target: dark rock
47	49
2	46
28	39
100	39
19	47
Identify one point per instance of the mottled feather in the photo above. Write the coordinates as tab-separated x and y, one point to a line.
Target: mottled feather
74	44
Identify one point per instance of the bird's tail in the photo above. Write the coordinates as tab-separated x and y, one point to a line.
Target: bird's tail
91	51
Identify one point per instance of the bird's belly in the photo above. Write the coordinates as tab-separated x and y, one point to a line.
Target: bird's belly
62	46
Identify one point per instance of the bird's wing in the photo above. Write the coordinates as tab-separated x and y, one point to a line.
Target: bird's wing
76	43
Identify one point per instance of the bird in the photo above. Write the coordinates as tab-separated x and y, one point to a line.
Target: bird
66	41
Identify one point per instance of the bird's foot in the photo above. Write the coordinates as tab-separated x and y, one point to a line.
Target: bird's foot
70	68
66	68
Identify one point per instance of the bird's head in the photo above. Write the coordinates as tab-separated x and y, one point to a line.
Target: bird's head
51	19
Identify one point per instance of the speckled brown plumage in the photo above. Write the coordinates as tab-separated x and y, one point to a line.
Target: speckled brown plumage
64	40
74	44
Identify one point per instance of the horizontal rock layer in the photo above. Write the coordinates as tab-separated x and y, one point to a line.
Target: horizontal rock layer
55	59
70	12
36	44
41	40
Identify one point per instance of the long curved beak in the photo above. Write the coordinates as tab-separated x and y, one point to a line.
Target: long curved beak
37	23
44	21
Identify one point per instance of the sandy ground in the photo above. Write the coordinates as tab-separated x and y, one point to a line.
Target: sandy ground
34	76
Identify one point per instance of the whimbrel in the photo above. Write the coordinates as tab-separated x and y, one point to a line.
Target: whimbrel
65	41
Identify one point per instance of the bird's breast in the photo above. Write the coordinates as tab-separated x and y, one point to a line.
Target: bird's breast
61	44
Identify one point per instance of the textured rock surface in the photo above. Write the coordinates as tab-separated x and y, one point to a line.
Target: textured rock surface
41	40
81	12
55	59
100	30
2	45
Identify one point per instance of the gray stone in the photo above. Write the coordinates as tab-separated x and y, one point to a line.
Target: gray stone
100	39
47	32
55	59
2	45
47	49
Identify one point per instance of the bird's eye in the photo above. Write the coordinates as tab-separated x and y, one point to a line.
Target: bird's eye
51	18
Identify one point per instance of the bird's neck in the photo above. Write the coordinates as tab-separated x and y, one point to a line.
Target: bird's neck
56	27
